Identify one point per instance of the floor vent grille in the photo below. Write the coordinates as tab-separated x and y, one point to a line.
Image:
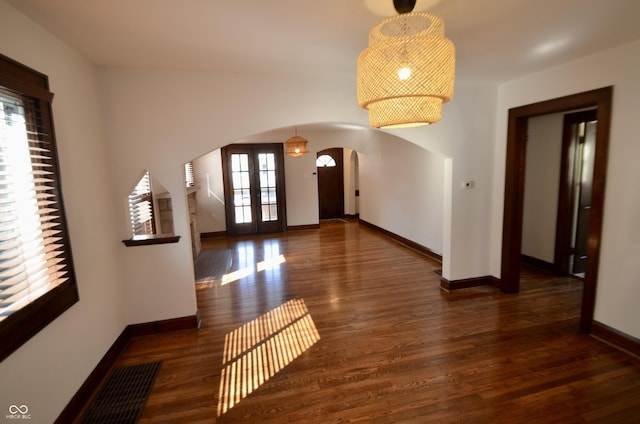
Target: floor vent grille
124	394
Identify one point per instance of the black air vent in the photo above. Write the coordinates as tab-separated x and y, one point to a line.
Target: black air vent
123	396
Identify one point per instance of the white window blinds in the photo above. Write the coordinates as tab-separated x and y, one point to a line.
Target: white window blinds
189	179
141	207
32	257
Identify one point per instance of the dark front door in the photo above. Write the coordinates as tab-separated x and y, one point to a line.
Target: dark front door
254	188
330	183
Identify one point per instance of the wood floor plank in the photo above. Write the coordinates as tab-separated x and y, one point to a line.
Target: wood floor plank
343	325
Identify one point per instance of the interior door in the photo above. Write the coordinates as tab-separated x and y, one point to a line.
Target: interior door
330	170
576	194
254	188
584	177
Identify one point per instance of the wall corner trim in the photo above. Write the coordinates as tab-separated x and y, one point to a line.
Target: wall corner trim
487	280
408	243
303	227
616	338
89	388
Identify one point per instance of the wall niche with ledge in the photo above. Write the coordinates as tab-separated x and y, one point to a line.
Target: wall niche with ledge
150	213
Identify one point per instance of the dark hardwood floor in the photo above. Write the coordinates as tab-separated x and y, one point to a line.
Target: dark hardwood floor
344	325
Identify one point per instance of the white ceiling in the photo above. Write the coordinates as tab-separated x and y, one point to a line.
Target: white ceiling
496	40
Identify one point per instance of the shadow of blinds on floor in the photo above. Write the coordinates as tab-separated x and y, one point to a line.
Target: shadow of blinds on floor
259	349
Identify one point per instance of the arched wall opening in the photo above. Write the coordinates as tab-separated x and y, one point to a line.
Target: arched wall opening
389	182
208	110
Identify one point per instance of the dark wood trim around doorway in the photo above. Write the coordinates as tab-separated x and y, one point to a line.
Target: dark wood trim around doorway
514	189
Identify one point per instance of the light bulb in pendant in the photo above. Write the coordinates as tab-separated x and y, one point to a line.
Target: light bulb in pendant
404	73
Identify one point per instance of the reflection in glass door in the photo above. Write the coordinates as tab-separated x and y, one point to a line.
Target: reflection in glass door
268	198
241	188
254	188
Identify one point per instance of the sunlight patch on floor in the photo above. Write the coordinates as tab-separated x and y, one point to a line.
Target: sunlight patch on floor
246	258
271	263
237	275
259	349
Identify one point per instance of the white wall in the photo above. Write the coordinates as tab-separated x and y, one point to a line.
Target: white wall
466	137
542	183
402	191
207	171
350	181
45	372
618	289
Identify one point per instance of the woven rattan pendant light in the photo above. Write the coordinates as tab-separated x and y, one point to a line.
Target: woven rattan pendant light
296	145
407	71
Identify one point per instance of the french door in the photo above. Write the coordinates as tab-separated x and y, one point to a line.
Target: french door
254	188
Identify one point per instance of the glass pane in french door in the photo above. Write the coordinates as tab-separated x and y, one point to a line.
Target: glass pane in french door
241	186
268	198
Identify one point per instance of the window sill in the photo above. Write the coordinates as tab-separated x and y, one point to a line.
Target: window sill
151	239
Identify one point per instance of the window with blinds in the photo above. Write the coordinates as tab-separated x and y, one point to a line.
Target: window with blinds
37	281
189	179
141	207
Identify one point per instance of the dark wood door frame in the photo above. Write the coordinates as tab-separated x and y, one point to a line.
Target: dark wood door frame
514	189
